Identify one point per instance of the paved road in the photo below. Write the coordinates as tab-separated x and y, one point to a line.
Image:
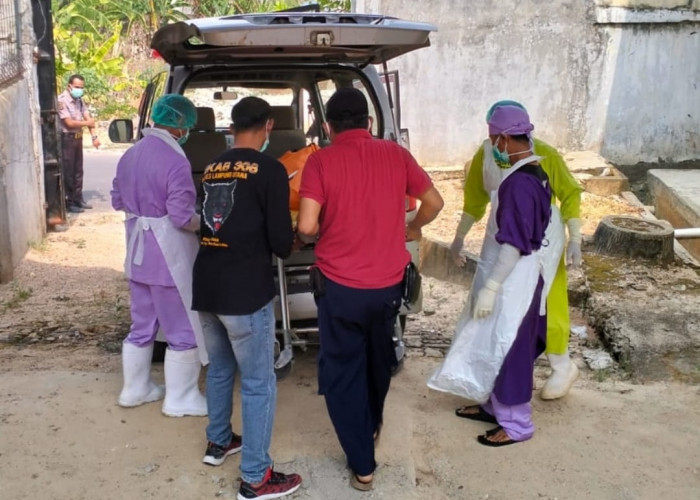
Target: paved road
100	167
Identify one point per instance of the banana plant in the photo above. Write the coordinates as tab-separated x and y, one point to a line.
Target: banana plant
89	54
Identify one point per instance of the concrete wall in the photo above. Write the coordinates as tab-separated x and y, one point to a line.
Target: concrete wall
613	76
21	178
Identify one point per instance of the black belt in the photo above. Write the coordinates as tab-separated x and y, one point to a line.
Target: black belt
74	135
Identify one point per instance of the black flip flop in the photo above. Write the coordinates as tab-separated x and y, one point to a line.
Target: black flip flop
484	439
481	415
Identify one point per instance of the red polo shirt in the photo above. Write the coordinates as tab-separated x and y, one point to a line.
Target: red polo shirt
361	183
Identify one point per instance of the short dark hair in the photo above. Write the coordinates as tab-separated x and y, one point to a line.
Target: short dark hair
521	138
250	113
347	109
343	125
74	77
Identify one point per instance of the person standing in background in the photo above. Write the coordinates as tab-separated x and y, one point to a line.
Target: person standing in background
74	116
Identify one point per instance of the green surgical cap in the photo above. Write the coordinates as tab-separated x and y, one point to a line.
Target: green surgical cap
498	104
174	110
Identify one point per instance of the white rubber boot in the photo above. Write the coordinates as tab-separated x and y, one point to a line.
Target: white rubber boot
182	396
138	386
564	374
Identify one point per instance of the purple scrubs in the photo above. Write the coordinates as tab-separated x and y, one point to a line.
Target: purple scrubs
522	216
153	180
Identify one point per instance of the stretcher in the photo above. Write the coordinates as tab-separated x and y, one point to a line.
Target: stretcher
290	336
295	303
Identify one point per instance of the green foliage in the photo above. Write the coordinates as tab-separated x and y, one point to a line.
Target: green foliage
90	37
106	41
213	8
335	5
118	108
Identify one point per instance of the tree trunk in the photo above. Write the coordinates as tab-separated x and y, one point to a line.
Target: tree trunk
634	237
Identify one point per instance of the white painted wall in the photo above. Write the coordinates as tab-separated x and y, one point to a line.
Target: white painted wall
593	75
22	215
646	106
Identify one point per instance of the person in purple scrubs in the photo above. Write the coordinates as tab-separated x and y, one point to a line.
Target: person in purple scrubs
154	187
523	213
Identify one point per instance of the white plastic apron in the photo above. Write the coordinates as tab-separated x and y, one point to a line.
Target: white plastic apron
479	347
179	248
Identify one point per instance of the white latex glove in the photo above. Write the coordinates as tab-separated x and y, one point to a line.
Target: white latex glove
485	299
573	248
465	224
508	257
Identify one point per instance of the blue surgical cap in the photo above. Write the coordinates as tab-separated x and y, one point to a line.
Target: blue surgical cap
174	110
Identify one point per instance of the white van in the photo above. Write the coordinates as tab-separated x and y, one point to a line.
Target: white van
295	61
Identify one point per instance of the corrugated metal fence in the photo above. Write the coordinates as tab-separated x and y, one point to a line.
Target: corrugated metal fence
10	47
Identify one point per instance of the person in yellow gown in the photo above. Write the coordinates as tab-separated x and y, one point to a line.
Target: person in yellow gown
483	177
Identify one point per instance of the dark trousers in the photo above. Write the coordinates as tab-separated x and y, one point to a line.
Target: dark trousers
355	361
72	168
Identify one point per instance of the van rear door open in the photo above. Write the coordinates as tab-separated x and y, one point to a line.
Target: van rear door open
308	37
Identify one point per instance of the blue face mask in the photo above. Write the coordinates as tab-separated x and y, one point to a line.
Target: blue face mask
266	143
76	93
183	139
502	158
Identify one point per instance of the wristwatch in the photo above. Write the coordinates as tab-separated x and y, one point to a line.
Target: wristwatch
94	137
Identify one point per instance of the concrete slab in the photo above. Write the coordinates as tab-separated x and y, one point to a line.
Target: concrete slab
647	316
436	261
596	174
676	195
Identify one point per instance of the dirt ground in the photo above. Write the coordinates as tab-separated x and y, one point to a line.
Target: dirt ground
62	436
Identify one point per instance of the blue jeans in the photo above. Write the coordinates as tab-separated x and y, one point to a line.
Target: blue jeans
244	343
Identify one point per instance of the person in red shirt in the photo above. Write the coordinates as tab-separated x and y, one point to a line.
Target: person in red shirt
352	201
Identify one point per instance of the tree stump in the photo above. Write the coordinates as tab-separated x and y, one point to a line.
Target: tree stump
633	237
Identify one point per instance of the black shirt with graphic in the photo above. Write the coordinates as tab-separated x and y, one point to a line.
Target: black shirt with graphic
245	219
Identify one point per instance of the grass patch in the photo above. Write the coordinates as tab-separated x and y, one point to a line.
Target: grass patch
602	375
19	295
41	246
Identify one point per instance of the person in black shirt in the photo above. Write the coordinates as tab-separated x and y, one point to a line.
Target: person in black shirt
245	219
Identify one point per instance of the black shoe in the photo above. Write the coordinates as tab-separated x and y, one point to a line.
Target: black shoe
84	204
75	209
215	454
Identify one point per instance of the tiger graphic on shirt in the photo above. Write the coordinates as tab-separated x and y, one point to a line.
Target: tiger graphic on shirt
218	203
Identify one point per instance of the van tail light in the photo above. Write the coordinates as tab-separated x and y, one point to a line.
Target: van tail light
410	204
155	54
